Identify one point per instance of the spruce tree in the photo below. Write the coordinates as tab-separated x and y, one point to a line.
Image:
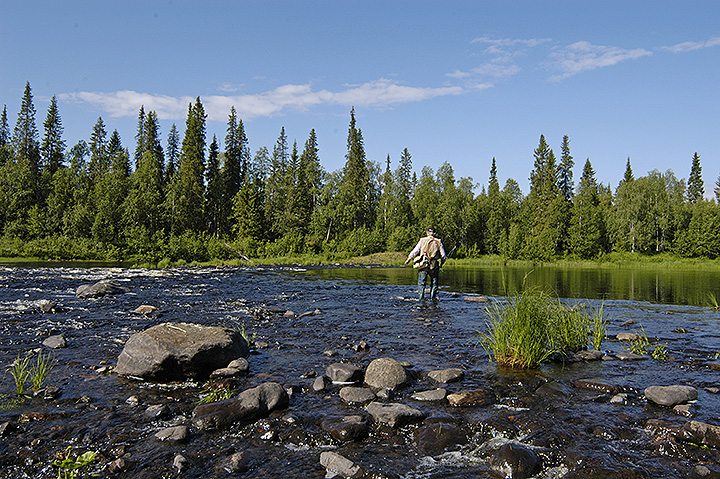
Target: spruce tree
140	142
717	190
356	190
566	166
235	166
695	186
496	216
214	191
52	149
277	187
403	185
22	181
587	228
99	161
188	190
386	200
173	152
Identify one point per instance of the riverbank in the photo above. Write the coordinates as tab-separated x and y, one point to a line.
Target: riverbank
397	259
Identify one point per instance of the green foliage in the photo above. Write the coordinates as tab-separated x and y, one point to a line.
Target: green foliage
213	392
531	328
20	371
518	333
70	463
39	371
599	328
88	203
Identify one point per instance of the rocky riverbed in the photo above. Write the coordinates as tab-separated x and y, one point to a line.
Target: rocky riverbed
343	378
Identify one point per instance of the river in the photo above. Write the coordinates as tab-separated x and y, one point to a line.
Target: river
576	432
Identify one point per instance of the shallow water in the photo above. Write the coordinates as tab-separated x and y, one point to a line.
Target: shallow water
570	427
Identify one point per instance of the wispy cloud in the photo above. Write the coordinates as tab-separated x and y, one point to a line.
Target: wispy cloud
690	46
379	93
501	60
584	56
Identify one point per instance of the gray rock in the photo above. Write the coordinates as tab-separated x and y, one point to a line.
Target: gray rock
236	367
515	461
593	355
337	465
627	337
6	428
385	373
354	395
320	384
158	411
247	406
101	288
433	439
175	351
476	397
700	433
55	342
433	395
145	309
671	395
344	373
348	428
179	462
47	306
630	357
476	299
393	414
236	463
173	434
443	376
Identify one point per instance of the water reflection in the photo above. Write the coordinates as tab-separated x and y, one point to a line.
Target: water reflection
664	285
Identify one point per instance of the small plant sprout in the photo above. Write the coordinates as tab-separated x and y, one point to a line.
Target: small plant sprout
69	464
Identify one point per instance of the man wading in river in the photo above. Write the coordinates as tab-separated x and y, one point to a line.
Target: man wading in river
430	255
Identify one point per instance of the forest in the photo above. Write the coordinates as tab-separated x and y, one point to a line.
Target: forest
184	199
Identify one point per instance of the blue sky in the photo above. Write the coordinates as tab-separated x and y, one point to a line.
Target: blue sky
455	81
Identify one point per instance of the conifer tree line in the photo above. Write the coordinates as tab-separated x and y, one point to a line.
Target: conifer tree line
198	198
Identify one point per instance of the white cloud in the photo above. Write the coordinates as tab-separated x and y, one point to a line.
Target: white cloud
503	53
690	46
584	56
379	93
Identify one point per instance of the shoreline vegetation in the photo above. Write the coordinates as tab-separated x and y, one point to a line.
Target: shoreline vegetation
202	201
394	259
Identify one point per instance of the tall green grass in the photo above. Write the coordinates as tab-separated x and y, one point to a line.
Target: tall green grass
530	328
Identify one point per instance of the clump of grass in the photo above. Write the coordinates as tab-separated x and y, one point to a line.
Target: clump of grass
213	392
517	333
660	352
40	370
712	301
567	328
530	328
598	328
20	371
24	369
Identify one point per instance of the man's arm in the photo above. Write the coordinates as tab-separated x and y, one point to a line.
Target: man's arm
414	252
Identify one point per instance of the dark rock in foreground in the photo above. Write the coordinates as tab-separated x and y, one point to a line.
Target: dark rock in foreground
249	405
175	351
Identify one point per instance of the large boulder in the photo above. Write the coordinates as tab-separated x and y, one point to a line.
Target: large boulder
101	288
247	406
671	395
385	373
176	351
